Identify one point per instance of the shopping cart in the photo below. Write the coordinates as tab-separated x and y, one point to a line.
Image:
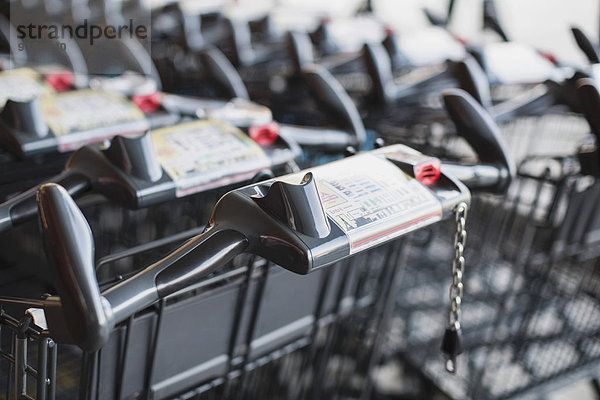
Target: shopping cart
32	108
161	165
539	120
368	74
531	300
542	119
318	114
251	330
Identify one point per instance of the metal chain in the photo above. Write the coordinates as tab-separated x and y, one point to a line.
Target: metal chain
458	266
452	342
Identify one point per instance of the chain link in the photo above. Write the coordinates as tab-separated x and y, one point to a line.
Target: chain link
458	267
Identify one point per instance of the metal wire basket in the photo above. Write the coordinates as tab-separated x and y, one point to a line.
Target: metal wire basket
225	338
531	307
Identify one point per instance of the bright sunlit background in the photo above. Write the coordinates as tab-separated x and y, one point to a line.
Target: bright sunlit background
544	24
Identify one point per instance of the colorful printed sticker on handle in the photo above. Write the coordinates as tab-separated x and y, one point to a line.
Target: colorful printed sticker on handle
372	200
81	117
202	155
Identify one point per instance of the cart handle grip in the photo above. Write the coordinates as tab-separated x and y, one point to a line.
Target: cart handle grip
589	98
472	78
379	67
194	260
477	176
330	95
224	72
23	207
87	168
300	50
69	247
585	45
478	128
316	137
90	315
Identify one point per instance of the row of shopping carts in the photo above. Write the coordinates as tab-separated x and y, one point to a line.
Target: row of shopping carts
276	206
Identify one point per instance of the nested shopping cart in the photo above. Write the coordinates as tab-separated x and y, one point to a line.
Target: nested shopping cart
212	320
531	306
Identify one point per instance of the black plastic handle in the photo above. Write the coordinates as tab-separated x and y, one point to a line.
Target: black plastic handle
186	265
7	31
224	72
478	128
585	44
240	43
491	20
70	250
109	172
23	207
316	137
472	79
323	40
262	25
90	315
300	50
434	19
441	21
385	90
589	99
379	67
534	101
328	93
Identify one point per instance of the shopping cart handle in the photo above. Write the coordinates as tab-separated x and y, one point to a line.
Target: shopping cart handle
299	226
330	95
263	25
70	249
90	315
321	138
300	50
589	99
480	131
379	68
243	51
585	45
322	38
224	72
391	45
385	89
491	20
533	101
23	207
472	78
110	172
434	19
240	42
478	177
196	259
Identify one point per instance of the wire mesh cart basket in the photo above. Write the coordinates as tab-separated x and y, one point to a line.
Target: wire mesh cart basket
250	330
531	306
